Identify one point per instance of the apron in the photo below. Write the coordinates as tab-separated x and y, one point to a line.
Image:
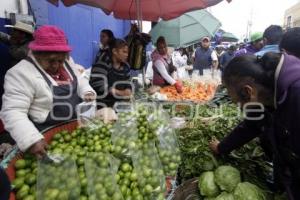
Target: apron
157	78
63	108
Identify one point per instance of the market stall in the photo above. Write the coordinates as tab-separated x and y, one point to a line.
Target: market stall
143	156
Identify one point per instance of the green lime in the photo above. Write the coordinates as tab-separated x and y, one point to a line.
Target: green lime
126	167
21	173
30	179
29	197
148	189
20	164
21	194
18	183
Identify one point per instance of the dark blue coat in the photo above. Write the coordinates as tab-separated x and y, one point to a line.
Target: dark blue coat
281	126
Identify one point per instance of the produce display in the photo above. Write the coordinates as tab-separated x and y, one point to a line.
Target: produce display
127	160
217	121
196	92
225	184
131	159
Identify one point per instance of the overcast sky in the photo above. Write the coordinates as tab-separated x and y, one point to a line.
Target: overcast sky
234	15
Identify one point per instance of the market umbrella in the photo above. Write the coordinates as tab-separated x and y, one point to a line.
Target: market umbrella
187	29
229	37
148	10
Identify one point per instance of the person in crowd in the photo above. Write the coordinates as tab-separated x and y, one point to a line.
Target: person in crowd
205	57
18	40
180	60
106	39
290	42
256	44
271	37
227	56
241	45
137	43
271	84
42	90
13	48
163	67
105	77
220	50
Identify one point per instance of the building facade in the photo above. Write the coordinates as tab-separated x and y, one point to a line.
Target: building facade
292	17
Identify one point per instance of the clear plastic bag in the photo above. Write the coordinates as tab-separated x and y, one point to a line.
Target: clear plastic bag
168	149
98	136
102	184
58	180
124	137
166	143
147	166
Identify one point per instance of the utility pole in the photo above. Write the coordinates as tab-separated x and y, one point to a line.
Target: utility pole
249	25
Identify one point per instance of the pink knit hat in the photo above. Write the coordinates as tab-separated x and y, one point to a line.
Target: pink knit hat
49	38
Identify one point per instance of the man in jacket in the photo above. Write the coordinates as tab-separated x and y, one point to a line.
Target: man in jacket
272	37
18	40
205	57
256	44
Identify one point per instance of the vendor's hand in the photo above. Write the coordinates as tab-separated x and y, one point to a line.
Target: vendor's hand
121	93
90	96
113	91
39	149
108	115
188	67
213	145
179	86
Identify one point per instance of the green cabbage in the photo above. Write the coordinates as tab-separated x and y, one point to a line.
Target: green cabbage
225	196
207	185
227	178
248	191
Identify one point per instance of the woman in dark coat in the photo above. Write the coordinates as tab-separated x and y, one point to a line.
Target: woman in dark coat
106	39
272	83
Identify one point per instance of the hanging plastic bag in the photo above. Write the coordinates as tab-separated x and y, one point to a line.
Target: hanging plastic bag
85	112
151	179
124	137
169	152
102	184
58	180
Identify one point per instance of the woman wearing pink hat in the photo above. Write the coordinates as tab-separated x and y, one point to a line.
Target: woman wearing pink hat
42	90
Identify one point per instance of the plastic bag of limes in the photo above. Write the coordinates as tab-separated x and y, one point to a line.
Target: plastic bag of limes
168	149
102	184
58	180
124	138
150	173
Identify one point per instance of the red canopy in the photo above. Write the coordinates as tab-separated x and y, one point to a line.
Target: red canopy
149	10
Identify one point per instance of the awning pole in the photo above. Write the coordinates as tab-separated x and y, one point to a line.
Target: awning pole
140	20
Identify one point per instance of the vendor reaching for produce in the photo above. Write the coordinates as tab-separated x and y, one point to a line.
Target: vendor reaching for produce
163	67
273	82
112	81
42	90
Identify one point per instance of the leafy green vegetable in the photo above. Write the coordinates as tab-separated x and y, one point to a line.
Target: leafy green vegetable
207	185
225	196
248	191
227	178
